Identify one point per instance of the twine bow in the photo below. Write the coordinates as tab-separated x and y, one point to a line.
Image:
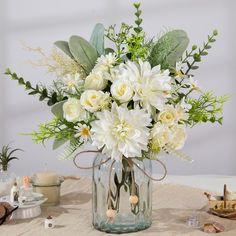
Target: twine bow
131	162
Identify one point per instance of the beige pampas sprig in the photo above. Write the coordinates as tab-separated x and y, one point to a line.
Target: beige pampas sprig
56	62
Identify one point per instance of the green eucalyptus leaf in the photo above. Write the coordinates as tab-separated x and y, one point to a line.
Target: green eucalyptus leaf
64	46
109	50
58	142
83	52
97	38
57	109
169	49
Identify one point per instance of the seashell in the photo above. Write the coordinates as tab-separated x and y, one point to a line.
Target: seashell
230	196
219	227
208	195
209	228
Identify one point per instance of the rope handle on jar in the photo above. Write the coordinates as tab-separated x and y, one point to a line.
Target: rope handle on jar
129	160
133	199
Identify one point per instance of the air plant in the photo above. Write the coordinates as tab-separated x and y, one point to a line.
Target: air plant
6	156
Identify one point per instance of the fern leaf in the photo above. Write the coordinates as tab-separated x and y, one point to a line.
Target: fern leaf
170	150
70	149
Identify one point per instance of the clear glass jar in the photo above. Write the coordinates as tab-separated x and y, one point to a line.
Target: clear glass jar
128	217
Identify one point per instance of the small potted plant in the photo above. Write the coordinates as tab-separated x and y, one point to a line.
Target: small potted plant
6	156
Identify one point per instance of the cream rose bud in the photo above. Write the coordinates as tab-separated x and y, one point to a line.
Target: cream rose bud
93	100
121	90
168	115
160	133
179	136
95	81
73	111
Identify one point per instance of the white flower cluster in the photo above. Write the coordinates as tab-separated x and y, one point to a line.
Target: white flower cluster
130	104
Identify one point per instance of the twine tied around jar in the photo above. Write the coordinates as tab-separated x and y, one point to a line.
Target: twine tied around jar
133	199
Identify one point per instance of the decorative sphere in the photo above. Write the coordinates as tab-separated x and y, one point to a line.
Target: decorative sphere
111	213
133	199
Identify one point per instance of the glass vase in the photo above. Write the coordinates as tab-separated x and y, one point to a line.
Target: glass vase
113	184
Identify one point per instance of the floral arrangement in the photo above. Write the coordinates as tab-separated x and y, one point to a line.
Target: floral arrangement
134	100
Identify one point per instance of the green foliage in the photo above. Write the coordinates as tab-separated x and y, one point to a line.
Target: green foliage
6	156
58	142
97	38
51	96
138	20
56	128
207	108
130	45
169	49
83	52
57	109
64	46
196	54
70	149
137	48
170	150
119	39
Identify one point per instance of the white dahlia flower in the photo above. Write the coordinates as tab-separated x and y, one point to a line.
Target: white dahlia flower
151	85
71	83
121	132
105	62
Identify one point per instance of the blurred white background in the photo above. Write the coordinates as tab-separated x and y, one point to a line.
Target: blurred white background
40	23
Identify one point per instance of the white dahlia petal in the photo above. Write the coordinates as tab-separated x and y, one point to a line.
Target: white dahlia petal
121	132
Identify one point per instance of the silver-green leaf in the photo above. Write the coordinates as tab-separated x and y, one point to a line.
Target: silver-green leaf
169	49
97	38
57	109
83	52
58	142
64	46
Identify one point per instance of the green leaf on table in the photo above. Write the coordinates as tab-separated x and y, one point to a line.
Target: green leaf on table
64	46
97	38
169	49
57	109
83	52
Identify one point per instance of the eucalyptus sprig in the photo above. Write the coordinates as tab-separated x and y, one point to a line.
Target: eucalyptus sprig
138	20
137	47
51	96
193	56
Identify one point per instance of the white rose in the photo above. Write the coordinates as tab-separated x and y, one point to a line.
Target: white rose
93	100
168	115
122	90
73	111
95	81
179	136
160	133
